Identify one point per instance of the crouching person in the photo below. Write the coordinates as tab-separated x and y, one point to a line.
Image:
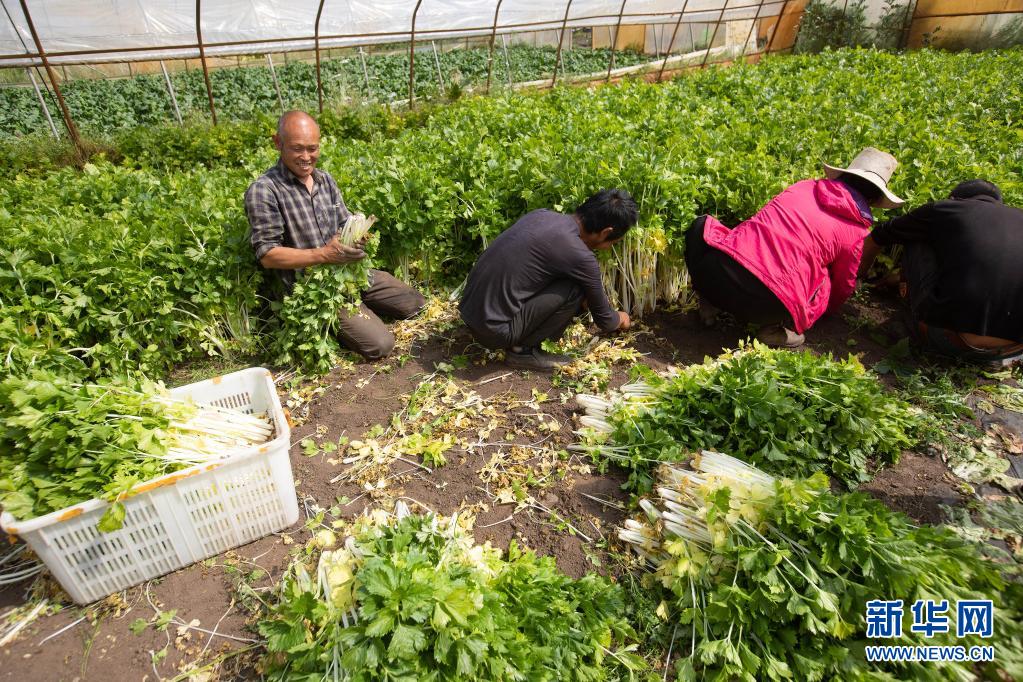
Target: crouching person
797	258
962	273
295	211
540	273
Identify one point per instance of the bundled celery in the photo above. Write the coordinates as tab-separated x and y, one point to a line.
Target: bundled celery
769	578
791	413
640	270
307	319
64	442
17	564
412	597
355	229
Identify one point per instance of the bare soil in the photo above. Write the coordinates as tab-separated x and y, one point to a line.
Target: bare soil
102	646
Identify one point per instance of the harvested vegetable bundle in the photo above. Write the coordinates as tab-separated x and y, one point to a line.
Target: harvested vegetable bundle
17	564
412	597
307	319
769	578
791	413
640	270
64	442
355	228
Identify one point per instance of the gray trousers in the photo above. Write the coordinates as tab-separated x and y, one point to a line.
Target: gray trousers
545	316
364	332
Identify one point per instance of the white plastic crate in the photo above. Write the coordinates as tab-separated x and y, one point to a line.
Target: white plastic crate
181	518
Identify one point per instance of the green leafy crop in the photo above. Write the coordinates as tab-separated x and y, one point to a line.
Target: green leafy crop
101	106
770	579
415	599
65	443
138	267
791	413
307	322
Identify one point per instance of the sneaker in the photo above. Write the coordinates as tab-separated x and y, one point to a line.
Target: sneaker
708	313
780	337
534	358
1005	363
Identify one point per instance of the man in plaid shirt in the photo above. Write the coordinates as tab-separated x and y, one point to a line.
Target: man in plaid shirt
295	211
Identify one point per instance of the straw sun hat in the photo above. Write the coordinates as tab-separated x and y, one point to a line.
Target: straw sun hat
874	166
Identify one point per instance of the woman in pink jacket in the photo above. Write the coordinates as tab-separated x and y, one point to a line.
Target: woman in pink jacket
797	257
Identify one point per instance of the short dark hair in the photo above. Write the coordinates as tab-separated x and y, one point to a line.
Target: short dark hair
613	208
972	188
871	192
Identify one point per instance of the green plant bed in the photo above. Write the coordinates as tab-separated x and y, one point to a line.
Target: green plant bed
137	267
103	106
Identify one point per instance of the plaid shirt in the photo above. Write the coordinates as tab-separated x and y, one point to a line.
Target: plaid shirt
282	212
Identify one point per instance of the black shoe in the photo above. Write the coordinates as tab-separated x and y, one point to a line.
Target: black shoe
708	313
534	358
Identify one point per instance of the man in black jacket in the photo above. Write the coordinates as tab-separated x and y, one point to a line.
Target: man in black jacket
534	278
962	272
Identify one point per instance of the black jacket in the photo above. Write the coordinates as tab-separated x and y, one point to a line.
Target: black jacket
978	244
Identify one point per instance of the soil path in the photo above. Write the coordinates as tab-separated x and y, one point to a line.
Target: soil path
563	516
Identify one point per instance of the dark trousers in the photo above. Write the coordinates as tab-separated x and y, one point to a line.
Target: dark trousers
364	332
726	284
920	274
543	317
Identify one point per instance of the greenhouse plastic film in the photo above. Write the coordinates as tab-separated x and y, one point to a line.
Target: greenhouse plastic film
155	29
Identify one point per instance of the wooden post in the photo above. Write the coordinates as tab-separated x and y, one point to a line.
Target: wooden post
907	23
316	49
412	59
42	102
490	55
365	71
273	76
202	58
614	41
674	33
170	91
72	129
561	40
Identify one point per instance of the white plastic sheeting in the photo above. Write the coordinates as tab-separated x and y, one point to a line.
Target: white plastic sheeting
75	31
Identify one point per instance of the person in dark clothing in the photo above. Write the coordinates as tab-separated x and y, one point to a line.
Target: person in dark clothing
961	272
530	283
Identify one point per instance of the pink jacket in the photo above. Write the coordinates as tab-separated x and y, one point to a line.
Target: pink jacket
805	245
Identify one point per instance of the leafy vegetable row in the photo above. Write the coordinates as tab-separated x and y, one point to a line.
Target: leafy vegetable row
105	105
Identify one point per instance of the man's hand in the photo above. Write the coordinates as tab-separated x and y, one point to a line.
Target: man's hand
624	321
336	252
871	249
